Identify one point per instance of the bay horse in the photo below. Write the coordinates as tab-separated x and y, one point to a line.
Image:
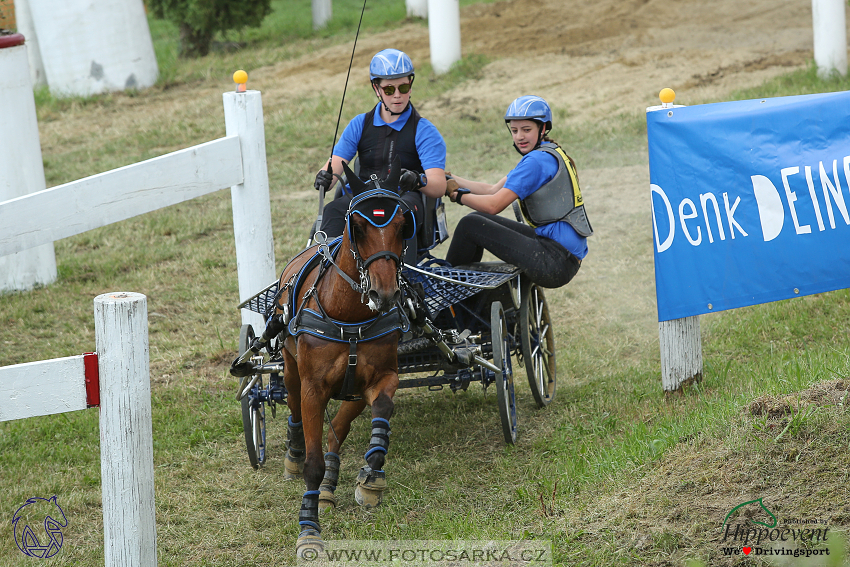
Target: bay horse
342	342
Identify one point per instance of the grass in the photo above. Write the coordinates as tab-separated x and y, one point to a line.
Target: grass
286	32
613	472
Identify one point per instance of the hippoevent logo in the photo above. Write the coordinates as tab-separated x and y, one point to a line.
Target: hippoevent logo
35	542
762	534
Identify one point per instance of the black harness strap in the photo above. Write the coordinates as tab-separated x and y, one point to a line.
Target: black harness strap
348	392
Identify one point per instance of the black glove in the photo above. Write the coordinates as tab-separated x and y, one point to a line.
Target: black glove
460	193
323	180
409	181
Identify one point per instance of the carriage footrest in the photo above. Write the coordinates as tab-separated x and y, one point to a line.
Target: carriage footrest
491	267
414	345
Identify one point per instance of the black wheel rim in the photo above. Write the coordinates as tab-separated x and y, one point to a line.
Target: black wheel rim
538	345
253	410
504	378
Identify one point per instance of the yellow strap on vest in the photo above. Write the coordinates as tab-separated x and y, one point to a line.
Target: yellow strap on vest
577	199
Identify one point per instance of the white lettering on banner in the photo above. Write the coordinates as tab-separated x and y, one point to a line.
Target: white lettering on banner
687	210
814	197
662	246
835	190
771	212
691	215
771	209
792	197
730	214
703	199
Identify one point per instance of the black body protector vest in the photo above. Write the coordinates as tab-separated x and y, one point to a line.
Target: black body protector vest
560	199
380	144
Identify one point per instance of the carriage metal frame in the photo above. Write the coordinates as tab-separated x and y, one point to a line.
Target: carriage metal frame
483	314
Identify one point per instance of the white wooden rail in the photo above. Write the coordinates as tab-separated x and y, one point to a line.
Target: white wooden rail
48	387
237	161
102	199
118	379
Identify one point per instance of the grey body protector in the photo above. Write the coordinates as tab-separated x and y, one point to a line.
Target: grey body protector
560	199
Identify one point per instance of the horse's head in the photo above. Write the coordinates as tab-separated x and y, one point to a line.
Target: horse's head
377	224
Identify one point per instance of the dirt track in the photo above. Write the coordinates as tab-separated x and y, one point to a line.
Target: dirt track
592	61
598	57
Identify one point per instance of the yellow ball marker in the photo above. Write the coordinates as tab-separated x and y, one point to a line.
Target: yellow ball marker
240	77
667	96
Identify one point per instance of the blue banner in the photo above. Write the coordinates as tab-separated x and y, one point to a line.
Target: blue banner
749	201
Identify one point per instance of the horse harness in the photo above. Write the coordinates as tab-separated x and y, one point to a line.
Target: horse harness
317	322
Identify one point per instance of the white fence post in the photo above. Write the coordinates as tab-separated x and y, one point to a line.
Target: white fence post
252	222
830	36
444	33
92	46
23	16
417	8
322	13
21	167
126	436
681	352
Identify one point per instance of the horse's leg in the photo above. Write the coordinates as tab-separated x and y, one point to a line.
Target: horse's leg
313	407
372	480
340	427
293	461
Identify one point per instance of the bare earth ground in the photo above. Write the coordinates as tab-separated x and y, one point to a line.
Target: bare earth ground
592	61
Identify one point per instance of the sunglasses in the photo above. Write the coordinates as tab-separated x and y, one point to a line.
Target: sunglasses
389	90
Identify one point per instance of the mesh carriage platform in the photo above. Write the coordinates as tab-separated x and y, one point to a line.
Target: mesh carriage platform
263	301
444	285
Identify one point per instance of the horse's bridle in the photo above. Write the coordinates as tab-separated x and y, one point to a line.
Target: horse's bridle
363	265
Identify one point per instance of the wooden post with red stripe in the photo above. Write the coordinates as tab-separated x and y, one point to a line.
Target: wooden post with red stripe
126	435
117	380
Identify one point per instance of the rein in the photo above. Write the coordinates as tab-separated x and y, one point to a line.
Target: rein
338	119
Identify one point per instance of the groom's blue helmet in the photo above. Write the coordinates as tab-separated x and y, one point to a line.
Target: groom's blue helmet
530	107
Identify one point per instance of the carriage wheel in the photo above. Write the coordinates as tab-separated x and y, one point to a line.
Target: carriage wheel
253	409
505	377
537	338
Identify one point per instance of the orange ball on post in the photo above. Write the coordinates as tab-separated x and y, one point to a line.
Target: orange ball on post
240	77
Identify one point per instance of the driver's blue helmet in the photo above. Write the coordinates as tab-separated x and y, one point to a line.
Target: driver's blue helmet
390	64
530	107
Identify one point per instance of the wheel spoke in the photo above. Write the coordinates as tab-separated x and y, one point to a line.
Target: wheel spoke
546	370
538	374
538	345
538	310
256	426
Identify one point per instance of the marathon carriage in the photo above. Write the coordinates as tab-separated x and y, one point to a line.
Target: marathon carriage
466	324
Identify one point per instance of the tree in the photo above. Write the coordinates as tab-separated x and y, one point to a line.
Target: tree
199	20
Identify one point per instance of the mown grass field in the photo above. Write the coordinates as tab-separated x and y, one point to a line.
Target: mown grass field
612	473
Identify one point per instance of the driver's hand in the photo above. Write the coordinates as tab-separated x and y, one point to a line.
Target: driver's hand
323	180
409	181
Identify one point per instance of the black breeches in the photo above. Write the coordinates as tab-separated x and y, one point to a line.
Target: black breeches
544	261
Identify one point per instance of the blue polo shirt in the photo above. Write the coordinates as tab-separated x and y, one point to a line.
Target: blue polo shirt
429	142
533	171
